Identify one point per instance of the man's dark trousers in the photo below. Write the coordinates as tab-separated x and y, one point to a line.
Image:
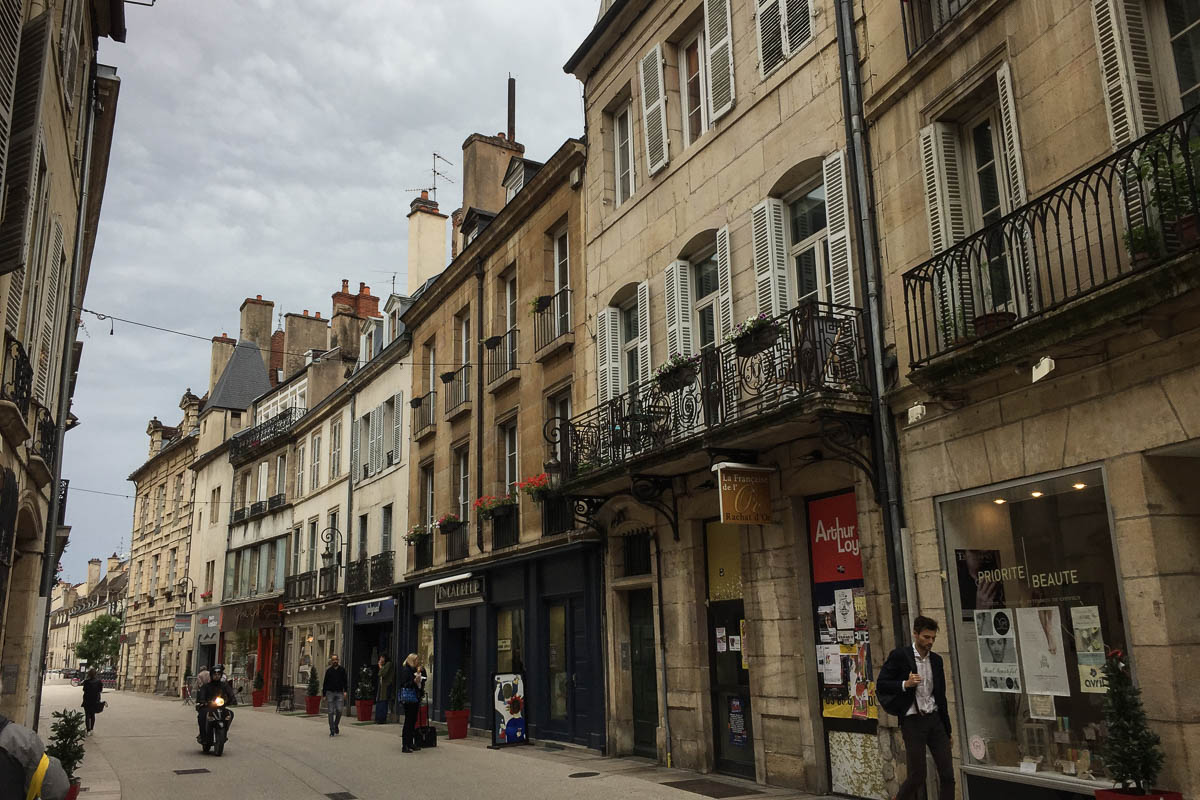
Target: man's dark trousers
921	731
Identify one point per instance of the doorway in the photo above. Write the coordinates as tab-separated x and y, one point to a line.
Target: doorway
730	675
569	671
643	673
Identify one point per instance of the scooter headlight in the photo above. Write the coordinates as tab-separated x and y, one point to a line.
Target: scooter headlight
218	702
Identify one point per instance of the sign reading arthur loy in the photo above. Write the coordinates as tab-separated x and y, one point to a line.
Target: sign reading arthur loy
745	495
467	592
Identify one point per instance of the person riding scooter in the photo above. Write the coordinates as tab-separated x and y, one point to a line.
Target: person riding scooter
216	687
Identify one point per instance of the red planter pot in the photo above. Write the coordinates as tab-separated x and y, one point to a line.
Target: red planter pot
456	723
363	709
1124	794
73	792
312	705
258	697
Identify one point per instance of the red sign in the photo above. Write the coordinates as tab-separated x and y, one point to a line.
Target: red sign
833	535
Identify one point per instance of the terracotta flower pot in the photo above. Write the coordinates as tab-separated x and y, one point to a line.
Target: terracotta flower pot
258	697
73	792
1122	794
456	723
363	709
312	705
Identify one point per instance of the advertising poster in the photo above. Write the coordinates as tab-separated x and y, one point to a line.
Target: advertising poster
826	625
508	699
833	534
843	605
853	694
737	723
722	643
860	609
1089	649
977	587
1039	631
1041	706
997	639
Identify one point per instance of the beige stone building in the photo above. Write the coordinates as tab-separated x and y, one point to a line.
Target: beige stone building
100	596
54	139
58	656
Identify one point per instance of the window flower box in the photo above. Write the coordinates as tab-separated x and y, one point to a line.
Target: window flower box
677	373
416	534
491	506
540	303
755	335
537	487
448	523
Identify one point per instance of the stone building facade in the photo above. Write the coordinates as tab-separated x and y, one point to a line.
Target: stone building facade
48	86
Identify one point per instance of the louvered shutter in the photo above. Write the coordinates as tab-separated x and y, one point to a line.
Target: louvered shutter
942	166
1020	251
837	217
376	442
724	286
355	469
608	354
677	283
770	35
1123	46
12	312
372	443
10	47
44	355
797	23
654	109
718	39
397	424
767	221
21	174
69	44
643	347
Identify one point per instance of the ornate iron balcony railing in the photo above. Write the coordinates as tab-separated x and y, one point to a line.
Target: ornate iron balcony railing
300	587
45	435
1130	211
239	515
383	569
423	553
923	19
506	528
17	385
818	349
327	580
244	445
275	501
424	412
458	390
458	544
258	507
554	320
357	576
501	355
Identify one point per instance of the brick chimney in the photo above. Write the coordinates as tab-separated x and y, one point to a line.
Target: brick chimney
222	351
455	223
93	575
346	322
277	347
155	431
256	325
485	160
114	563
190	405
366	304
301	334
426	242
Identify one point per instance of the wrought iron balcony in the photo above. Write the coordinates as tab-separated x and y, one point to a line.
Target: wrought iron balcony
45	435
383	569
423	553
458	390
239	515
247	444
816	362
924	19
327	580
458	544
506	527
258	507
297	588
275	501
501	356
17	386
1122	216
424	414
558	515
357	576
553	321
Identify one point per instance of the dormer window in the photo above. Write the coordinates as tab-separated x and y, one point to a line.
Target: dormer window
513	184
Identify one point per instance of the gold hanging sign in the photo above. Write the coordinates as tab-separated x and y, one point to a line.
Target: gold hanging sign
745	492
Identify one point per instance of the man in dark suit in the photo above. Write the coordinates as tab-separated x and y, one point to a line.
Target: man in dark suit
912	686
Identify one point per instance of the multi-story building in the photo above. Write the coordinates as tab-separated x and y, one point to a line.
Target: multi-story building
723	457
497	338
1043	308
102	596
160	545
58	656
57	110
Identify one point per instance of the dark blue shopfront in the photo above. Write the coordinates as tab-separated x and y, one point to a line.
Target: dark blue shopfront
373	633
540	616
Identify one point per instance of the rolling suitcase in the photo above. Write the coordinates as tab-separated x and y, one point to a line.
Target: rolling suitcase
426	736
381	711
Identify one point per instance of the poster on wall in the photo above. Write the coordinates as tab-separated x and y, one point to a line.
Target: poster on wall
738	735
1039	631
826	625
843	603
508	701
848	690
979	580
833	535
997	638
1089	649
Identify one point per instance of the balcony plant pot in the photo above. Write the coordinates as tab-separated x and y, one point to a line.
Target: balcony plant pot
492	342
448	528
1121	794
364	709
503	511
541	303
415	402
1187	229
987	324
676	379
756	341
447	377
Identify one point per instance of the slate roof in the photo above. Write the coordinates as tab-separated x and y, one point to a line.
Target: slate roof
244	379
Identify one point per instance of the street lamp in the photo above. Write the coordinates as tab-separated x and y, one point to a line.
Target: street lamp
329	536
187	588
553	469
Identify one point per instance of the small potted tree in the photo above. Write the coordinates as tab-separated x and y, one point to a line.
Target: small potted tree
258	696
1132	752
312	703
458	713
66	744
364	693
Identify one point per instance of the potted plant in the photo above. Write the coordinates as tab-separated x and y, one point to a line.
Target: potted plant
258	696
312	703
990	323
754	335
539	304
415	402
458	713
66	744
492	342
206	595
1132	753
537	487
447	377
1174	178
491	506
677	372
416	534
1144	243
364	693
448	523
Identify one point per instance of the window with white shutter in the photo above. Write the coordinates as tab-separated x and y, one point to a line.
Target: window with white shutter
608	354
718	35
677	297
397	425
941	166
69	48
623	163
784	27
769	246
1123	46
654	109
47	342
837	217
724	285
300	470
355	468
643	347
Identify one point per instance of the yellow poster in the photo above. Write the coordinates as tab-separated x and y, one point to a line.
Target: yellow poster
854	697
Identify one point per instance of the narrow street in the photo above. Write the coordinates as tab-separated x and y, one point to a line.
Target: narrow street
142	744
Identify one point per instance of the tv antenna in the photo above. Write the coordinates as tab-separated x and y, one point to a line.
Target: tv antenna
433	189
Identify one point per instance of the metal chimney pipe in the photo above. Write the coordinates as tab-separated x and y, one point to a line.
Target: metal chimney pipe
512	108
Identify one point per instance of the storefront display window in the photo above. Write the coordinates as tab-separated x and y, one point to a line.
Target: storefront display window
510	640
556	666
1034	604
425	651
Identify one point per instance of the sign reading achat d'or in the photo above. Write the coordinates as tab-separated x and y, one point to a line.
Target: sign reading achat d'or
745	495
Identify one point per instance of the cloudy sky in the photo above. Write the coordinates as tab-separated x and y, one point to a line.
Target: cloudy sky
268	147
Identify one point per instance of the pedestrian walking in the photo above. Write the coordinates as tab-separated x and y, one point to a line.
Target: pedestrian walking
92	704
202	677
912	686
335	687
410	699
387	685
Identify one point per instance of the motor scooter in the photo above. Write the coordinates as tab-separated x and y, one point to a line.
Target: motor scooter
217	722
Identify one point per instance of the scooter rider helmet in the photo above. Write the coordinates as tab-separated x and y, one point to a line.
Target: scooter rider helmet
217	669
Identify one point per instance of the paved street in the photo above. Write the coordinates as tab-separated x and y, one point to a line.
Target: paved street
140	742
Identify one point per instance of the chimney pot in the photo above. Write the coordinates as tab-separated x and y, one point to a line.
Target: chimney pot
424	195
501	135
361	284
318	314
258	296
306	312
345	285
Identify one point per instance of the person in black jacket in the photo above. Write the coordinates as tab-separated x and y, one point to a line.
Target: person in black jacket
410	685
92	687
335	687
216	687
912	686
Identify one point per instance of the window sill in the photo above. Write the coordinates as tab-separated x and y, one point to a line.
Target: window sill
559	343
459	410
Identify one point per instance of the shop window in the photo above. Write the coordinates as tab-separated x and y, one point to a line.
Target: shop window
425	651
510	640
1034	603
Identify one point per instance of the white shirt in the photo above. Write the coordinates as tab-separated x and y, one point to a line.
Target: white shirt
924	702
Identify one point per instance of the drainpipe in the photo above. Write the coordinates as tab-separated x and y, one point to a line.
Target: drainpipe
49	556
348	616
866	236
662	650
479	273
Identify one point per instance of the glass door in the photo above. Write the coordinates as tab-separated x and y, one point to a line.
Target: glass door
729	673
568	671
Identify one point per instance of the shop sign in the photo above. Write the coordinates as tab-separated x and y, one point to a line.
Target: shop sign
745	495
508	699
833	533
183	622
467	592
374	611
